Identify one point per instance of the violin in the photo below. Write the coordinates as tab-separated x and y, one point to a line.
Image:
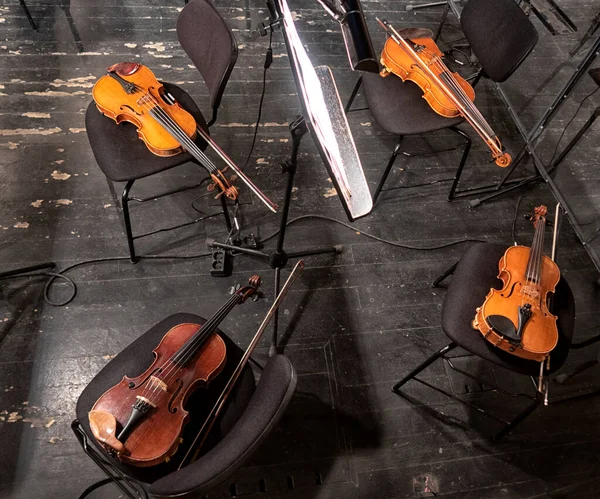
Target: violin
129	92
140	420
413	55
516	318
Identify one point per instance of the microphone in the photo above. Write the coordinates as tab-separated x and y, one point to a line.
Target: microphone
356	35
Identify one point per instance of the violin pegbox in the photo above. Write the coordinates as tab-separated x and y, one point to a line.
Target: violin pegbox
539	213
248	291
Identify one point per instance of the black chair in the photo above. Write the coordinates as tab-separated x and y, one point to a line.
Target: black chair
210	44
472	278
500	35
249	416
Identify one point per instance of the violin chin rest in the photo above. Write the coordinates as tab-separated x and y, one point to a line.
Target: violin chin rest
104	427
503	326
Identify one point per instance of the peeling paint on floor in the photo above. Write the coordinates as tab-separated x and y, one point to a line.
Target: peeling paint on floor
58	175
31	131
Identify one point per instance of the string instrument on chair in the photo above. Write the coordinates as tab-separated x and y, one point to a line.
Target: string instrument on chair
141	419
516	318
413	55
130	92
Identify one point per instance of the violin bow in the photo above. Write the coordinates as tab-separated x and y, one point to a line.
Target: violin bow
238	171
216	410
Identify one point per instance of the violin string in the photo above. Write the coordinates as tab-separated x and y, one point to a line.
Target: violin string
467	101
471	111
170	366
189	349
174	129
473	120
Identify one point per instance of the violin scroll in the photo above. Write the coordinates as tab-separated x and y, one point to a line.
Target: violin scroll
251	289
503	160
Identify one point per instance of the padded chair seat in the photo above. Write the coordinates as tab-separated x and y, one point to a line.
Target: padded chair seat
136	358
121	155
475	274
399	107
248	418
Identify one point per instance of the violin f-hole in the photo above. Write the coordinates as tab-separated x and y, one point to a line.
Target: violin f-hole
131	109
172	409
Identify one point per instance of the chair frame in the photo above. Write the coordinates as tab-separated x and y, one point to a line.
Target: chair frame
454	193
125	198
123	208
535	400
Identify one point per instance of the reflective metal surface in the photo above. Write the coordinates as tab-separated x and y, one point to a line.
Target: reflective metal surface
327	122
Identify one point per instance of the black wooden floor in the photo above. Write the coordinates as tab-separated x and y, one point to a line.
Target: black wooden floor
352	325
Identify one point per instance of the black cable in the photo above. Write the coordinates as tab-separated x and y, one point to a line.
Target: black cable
267	65
372	236
60	274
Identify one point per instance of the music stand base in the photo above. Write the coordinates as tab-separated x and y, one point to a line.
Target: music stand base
279	257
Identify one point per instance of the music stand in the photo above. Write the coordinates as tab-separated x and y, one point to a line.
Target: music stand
322	107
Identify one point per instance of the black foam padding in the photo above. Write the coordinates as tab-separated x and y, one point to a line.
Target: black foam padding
399	107
121	155
209	43
475	274
500	35
272	395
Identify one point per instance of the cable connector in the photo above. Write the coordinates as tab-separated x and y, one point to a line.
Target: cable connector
221	265
269	58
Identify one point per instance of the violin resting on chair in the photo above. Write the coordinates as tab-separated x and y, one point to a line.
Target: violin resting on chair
129	92
412	55
516	318
141	419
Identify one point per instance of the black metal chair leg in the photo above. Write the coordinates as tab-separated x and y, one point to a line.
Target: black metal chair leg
353	95
463	160
128	232
28	14
423	366
113	193
388	168
519	418
449	272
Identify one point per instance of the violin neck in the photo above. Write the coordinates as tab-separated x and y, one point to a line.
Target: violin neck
534	263
189	349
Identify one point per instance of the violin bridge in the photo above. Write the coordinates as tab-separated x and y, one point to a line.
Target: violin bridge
158	383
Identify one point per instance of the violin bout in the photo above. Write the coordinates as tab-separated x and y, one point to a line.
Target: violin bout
516	318
149	412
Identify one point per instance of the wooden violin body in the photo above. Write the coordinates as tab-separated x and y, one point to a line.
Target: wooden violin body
540	334
399	62
516	318
113	100
413	55
158	437
141	419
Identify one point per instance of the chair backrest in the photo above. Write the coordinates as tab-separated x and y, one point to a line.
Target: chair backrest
210	44
500	35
